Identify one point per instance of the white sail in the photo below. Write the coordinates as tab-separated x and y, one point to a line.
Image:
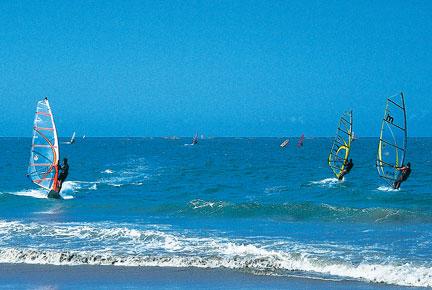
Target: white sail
393	139
341	147
72	140
44	155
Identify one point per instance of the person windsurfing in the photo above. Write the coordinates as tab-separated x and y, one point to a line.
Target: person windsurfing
195	139
64	171
405	172
348	165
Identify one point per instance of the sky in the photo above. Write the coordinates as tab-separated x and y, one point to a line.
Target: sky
220	68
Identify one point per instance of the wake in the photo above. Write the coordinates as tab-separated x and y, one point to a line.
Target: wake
327	182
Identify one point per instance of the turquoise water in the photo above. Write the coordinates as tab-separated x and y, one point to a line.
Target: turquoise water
241	204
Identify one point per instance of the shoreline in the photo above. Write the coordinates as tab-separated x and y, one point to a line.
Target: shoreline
91	277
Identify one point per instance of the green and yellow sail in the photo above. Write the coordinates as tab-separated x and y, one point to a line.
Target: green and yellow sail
341	147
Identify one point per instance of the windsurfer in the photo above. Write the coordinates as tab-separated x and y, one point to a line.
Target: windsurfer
64	171
405	172
348	165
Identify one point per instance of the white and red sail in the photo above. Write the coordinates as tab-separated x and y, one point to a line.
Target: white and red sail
44	155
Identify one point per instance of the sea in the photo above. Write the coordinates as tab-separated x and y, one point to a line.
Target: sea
224	213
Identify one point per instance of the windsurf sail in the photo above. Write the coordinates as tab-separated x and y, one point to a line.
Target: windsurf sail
72	140
44	155
195	139
341	147
392	142
300	141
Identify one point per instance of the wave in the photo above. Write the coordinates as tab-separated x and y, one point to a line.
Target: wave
103	244
304	211
132	172
35	193
67	188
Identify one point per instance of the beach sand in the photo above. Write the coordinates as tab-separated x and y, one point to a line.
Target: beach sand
28	276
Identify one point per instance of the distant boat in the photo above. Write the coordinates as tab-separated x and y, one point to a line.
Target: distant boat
44	155
72	140
84	136
284	143
392	143
300	141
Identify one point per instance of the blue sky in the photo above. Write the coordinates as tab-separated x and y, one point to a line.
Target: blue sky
223	68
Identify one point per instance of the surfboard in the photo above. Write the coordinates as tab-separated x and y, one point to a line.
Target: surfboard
341	146
54	194
44	154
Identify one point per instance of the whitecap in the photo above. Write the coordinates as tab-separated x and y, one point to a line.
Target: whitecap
35	193
387	188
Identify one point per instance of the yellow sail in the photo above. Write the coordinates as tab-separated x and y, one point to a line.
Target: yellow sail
341	147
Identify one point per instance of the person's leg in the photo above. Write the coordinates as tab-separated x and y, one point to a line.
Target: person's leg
396	185
60	182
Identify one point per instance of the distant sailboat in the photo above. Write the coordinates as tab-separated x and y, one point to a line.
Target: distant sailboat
44	155
284	143
72	140
300	141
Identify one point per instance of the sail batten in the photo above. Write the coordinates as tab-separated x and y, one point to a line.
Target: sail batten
341	146
392	142
44	154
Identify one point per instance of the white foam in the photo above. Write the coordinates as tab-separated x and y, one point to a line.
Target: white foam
126	246
70	186
328	182
198	203
131	173
387	188
31	193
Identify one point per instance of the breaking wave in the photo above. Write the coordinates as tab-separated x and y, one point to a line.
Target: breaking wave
103	244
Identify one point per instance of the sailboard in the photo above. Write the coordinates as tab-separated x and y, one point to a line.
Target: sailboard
341	147
284	143
300	141
392	142
44	154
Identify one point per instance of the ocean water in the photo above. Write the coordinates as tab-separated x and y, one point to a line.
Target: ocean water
237	204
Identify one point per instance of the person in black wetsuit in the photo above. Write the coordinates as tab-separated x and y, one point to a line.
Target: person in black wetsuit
64	171
348	166
405	172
